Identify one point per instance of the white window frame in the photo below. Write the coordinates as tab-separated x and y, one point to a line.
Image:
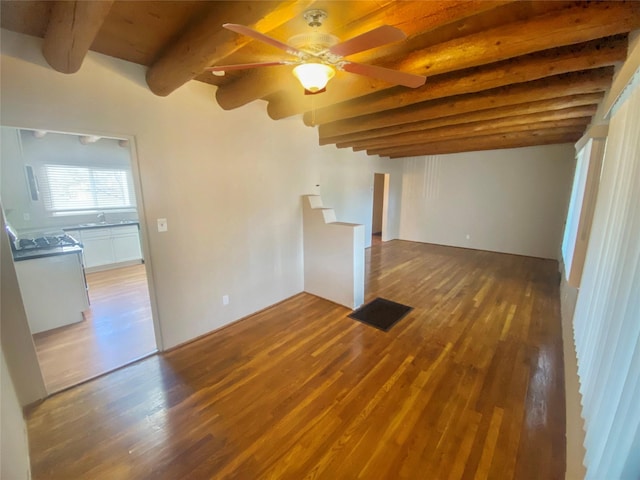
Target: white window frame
100	195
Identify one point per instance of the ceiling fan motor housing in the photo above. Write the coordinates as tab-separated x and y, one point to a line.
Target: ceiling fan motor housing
313	42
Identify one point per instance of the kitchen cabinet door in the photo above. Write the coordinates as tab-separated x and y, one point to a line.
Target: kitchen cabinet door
53	291
98	249
126	247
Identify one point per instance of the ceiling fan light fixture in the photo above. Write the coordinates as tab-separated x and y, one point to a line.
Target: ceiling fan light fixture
314	76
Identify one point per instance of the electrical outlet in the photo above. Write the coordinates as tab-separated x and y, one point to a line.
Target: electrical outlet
26	217
468	237
225	300
162	225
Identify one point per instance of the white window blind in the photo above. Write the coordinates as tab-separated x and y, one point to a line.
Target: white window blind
607	315
70	188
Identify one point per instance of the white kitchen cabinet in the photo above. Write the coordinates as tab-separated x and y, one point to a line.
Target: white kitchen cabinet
53	290
126	243
97	245
109	247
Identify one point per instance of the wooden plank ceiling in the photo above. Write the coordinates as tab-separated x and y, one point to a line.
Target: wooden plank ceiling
500	74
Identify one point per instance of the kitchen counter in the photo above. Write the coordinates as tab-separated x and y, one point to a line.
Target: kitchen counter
52	286
87	226
32	253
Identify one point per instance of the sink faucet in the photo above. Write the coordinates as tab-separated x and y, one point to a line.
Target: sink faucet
102	218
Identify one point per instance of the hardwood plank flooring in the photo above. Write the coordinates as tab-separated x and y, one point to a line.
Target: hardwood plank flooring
117	330
469	385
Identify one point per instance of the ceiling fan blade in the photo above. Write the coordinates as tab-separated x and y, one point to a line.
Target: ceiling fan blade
388	75
368	40
250	32
243	66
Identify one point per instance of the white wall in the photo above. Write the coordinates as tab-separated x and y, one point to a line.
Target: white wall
13	182
14	445
229	183
15	336
346	185
511	201
333	255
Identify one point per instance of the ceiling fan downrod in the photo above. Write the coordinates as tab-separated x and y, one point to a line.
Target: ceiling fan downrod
315	17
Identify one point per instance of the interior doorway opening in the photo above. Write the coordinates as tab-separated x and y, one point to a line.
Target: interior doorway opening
72	202
380	208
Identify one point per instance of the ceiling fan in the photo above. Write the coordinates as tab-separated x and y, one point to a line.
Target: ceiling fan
318	55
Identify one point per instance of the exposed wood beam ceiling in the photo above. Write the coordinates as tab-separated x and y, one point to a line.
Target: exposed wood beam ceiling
584	56
204	43
463	130
500	74
71	30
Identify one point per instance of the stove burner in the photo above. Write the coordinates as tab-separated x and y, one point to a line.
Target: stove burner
27	243
41	242
48	241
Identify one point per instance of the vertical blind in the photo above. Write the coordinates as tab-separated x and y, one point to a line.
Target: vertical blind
607	315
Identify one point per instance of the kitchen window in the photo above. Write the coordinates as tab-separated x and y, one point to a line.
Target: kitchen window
71	189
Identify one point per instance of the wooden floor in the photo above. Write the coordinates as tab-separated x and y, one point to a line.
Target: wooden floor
117	329
468	386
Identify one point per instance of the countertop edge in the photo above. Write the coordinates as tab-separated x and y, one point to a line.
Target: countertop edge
104	225
32	254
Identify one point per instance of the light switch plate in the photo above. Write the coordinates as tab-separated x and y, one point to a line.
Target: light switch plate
162	224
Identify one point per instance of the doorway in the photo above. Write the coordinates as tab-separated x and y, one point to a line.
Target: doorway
380	208
81	188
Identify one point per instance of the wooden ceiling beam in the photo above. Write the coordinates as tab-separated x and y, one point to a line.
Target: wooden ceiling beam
466	132
596	80
581	22
205	42
487	142
594	54
72	28
260	83
490	144
589	100
285	103
475	128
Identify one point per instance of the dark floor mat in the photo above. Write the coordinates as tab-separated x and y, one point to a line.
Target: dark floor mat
381	313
